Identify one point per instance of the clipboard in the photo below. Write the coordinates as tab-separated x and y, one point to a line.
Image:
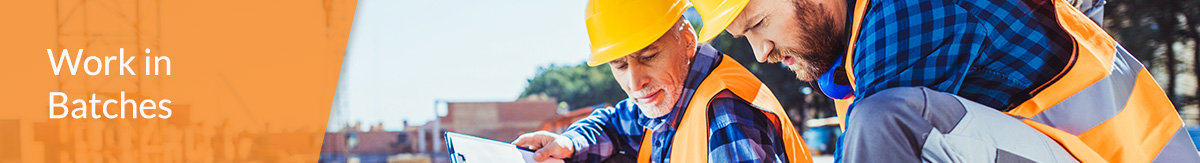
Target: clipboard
465	148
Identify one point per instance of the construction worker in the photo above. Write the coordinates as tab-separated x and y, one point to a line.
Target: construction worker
938	80
687	102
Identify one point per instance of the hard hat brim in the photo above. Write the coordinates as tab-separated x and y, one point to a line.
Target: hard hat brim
717	20
612	40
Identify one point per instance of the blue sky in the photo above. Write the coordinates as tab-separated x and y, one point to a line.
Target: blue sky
405	54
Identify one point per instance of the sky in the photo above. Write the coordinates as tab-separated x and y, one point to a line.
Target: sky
404	55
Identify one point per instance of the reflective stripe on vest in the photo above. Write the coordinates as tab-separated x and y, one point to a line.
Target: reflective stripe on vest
1105	107
1108	102
690	143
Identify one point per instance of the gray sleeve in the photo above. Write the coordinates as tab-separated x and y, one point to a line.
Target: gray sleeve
917	124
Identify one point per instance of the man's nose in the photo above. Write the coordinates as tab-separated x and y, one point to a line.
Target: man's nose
762	49
639	75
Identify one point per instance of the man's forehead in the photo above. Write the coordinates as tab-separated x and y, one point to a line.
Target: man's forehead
662	41
745	19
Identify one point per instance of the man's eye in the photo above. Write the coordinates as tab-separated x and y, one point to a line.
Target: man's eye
756	24
618	65
651	56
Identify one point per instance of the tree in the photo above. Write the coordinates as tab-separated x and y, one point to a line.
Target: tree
1152	31
578	85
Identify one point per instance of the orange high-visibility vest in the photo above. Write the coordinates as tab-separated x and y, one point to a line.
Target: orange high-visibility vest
1105	107
690	143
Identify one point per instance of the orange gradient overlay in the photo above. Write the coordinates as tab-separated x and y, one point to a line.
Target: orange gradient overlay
250	81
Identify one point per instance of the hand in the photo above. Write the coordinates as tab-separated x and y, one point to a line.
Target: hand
546	145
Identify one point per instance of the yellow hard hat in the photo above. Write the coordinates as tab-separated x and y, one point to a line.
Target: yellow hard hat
717	15
620	27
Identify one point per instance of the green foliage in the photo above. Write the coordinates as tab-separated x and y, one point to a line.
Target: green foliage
578	85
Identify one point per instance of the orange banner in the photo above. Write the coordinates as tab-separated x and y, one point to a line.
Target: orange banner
168	81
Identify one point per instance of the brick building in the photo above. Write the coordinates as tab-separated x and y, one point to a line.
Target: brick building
503	121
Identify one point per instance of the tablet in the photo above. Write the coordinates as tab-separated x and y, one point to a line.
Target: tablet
471	149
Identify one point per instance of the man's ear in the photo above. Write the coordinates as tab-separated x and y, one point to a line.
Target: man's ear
688	34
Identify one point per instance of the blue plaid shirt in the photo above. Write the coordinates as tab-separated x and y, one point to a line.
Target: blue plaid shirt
995	52
738	132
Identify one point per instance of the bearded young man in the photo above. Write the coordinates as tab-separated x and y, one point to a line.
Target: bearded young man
965	80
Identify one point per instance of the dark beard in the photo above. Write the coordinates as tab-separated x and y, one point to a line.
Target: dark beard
821	42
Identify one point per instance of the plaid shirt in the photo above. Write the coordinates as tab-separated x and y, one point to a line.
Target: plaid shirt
738	132
995	52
